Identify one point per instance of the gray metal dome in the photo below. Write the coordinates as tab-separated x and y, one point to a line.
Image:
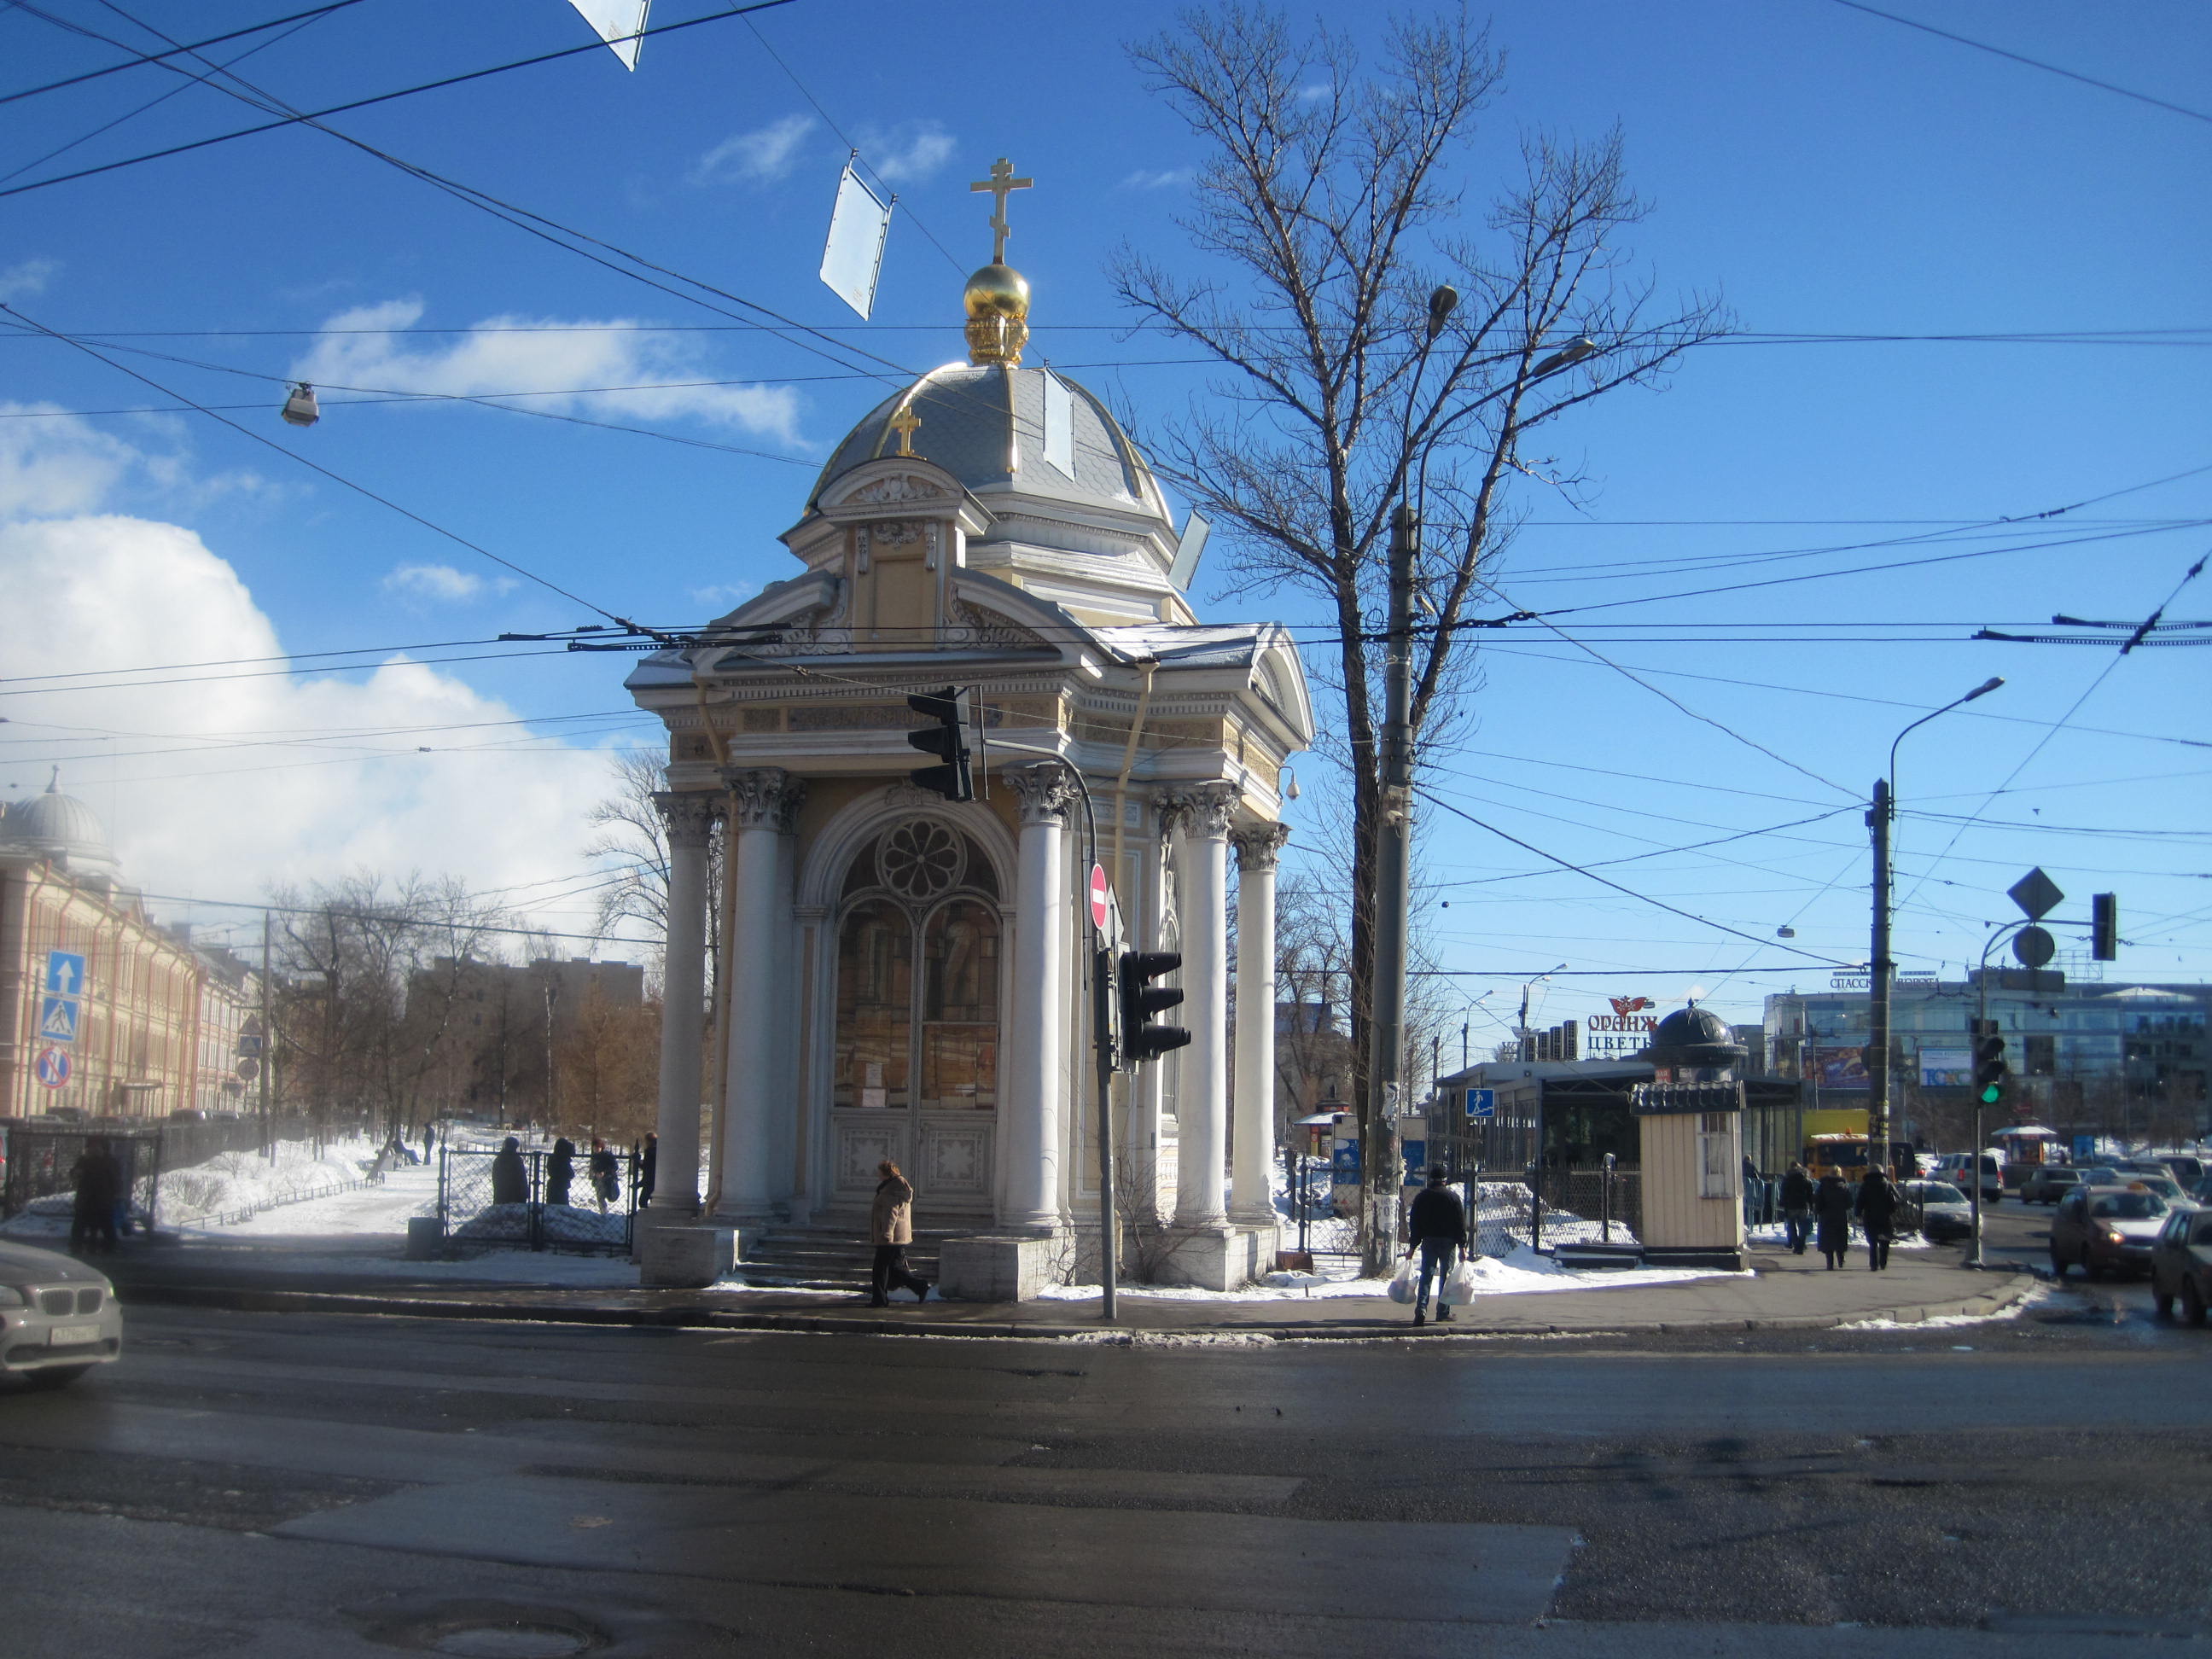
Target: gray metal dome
58	827
1696	1038
1003	429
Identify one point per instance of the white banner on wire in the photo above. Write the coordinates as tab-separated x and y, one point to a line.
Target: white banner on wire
619	24
853	256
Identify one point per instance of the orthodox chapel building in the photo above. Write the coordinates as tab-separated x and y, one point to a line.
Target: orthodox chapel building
907	977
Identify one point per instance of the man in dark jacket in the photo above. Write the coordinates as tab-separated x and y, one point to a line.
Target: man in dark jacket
1877	1209
1437	1229
510	1183
99	1179
1796	1209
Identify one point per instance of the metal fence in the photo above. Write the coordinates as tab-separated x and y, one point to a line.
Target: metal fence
41	1161
486	1201
1576	1204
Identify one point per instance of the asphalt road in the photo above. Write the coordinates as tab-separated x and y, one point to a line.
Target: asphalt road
287	1485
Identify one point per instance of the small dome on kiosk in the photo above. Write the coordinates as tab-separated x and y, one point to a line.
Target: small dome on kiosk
1695	1039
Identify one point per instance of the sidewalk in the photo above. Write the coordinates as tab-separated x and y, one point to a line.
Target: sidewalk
1782	1292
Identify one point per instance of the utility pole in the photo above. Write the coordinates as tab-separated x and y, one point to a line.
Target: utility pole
268	1039
1392	838
1880	970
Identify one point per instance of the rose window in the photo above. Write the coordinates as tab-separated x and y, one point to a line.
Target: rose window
919	860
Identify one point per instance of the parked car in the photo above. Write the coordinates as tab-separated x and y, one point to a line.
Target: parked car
2185	1168
2129	1168
2102	1228
1939	1210
57	1317
2163	1184
2181	1264
1957	1169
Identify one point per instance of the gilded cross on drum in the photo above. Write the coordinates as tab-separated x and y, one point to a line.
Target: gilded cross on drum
1001	181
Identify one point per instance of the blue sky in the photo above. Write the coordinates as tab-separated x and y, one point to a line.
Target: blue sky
1829	171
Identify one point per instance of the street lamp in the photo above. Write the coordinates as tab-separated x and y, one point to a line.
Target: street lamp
1881	970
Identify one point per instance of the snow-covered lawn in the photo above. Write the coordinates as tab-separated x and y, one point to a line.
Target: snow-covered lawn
1517	1270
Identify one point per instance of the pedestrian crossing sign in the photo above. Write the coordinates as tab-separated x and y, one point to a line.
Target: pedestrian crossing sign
57	1019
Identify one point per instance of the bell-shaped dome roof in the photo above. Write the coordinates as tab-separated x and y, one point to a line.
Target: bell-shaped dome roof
1695	1037
58	827
1002	429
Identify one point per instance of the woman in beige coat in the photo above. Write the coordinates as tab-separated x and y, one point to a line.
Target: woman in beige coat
891	1227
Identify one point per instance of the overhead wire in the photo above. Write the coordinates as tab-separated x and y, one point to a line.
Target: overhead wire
144	58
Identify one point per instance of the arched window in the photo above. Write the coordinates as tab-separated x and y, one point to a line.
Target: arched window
918	974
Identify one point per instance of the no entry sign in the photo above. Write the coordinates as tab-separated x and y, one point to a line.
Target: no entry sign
1098	897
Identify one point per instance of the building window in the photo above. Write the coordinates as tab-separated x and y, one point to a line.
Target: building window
2042	1055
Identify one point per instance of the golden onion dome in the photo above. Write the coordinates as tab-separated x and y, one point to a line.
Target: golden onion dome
997	298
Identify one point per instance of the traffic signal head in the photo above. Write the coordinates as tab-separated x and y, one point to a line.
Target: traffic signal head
2105	926
1990	1068
947	739
1141	1040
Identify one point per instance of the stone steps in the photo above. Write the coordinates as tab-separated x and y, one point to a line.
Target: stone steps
830	1258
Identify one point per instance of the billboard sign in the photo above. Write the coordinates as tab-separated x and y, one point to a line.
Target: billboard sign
1839	1068
1946	1068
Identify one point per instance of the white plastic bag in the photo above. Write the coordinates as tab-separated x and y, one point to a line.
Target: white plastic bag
1408	1279
1459	1288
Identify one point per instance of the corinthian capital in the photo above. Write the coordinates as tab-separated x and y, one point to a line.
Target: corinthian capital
1045	791
1200	812
688	814
763	797
1259	845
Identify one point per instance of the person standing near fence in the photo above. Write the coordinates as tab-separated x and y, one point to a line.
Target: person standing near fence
1796	1209
649	1160
560	1170
606	1175
510	1183
890	1229
1437	1229
99	1181
1831	1208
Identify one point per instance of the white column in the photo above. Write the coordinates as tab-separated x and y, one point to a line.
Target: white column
763	800
1202	817
1030	1114
690	820
1252	1148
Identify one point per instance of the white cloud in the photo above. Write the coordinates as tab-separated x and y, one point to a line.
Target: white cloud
437	581
52	462
761	156
1165	179
908	153
565	357
222	787
29	276
724	596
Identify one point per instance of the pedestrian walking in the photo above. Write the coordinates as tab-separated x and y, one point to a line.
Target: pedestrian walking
1876	1208
891	1228
429	1140
561	1171
649	1162
606	1175
1832	1212
1437	1229
1796	1209
99	1181
510	1184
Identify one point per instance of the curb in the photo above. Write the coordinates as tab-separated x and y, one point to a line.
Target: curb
244	1299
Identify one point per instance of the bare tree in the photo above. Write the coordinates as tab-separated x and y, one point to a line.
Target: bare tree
1354	381
631	833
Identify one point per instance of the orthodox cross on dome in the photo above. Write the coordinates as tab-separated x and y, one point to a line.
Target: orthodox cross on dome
998	185
906	423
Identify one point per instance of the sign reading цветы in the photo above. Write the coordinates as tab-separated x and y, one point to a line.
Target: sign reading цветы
1625	1031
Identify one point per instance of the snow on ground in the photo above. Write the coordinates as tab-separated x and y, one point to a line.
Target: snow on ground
1519	1270
228	1182
1771	1232
2036	1294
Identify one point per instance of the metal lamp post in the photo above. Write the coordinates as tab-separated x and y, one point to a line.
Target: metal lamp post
1881	970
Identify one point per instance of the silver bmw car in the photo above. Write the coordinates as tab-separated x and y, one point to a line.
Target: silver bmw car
57	1317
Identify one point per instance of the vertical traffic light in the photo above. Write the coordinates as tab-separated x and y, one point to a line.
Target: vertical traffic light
2105	926
1141	1040
1990	1068
947	739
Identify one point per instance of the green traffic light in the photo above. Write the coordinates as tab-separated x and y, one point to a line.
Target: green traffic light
1991	1095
